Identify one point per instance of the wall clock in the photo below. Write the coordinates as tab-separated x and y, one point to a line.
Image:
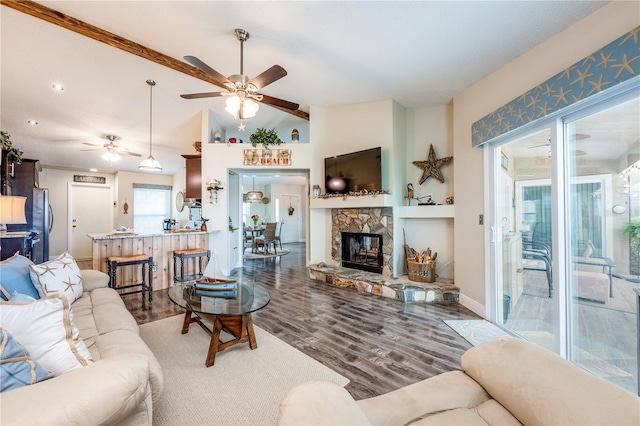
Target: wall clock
180	201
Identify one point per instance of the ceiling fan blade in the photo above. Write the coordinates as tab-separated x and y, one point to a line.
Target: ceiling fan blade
95	149
92	144
270	100
538	146
201	95
274	73
207	69
125	152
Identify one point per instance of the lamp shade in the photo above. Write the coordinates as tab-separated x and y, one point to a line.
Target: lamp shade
12	210
150	164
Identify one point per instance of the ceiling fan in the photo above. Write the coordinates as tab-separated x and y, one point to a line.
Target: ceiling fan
111	150
574	152
241	90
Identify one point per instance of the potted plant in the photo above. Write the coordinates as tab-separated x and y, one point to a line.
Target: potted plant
633	230
265	138
15	154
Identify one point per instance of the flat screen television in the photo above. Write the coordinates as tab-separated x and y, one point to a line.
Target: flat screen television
354	172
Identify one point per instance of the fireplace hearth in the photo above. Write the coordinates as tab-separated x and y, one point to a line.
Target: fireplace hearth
362	251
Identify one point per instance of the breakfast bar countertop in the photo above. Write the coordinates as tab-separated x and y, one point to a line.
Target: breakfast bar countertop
115	234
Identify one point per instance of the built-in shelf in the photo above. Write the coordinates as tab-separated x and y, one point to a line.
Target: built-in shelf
422	212
363	201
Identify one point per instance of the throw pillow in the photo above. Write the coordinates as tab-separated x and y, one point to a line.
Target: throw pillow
19	297
45	327
59	276
17	369
14	276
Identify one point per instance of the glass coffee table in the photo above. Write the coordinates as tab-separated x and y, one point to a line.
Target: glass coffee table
226	307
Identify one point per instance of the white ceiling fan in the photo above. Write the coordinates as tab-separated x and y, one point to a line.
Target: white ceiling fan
112	152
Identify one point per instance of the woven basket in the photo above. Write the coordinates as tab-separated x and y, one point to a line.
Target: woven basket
421	272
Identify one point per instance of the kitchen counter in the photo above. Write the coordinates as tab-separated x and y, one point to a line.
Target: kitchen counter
160	245
115	235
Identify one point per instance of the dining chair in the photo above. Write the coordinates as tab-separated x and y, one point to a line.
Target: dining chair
268	238
278	232
537	256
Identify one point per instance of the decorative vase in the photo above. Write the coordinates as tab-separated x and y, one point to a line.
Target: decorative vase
316	191
255	222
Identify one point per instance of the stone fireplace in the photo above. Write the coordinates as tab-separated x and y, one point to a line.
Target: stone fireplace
375	224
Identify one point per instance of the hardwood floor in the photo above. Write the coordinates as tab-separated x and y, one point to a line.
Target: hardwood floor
377	343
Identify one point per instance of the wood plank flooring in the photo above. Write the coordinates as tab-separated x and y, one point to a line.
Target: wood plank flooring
377	343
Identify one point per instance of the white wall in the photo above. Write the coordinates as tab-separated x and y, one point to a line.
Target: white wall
218	159
495	90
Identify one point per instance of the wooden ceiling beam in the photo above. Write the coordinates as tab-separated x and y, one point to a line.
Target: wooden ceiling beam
39	11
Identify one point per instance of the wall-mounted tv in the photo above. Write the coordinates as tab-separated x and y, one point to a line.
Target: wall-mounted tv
354	172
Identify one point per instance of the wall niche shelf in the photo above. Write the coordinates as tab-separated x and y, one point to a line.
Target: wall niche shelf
425	212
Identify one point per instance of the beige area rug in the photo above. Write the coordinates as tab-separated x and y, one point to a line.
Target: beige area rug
259	255
243	387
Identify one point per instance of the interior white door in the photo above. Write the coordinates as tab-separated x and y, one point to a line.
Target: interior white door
291	228
90	212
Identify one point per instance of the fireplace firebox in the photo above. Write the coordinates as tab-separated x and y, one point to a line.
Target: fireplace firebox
362	251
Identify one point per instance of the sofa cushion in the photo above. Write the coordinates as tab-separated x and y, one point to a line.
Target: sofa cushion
46	329
92	279
14	276
59	276
18	369
539	387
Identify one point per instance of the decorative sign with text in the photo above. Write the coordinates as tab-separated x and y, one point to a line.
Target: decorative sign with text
89	179
267	157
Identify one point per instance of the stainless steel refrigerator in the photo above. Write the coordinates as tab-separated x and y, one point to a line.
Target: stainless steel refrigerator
42	220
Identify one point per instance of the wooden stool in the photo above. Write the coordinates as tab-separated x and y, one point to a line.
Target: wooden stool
188	254
114	262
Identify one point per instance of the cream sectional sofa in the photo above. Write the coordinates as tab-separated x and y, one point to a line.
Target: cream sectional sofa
118	387
508	381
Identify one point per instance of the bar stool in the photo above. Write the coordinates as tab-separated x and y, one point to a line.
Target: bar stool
114	262
188	254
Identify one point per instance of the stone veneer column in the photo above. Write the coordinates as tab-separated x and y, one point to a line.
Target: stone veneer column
374	220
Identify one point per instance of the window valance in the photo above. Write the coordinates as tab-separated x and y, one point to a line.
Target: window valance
615	63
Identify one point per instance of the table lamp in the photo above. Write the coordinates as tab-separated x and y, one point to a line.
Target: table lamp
11	211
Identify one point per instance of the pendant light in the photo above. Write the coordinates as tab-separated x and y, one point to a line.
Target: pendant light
254	196
150	164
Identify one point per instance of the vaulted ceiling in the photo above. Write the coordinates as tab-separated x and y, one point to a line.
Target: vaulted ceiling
417	53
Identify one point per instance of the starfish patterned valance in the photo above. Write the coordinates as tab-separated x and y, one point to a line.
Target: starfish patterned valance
615	63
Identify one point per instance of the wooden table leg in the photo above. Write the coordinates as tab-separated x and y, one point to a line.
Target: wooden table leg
215	341
187	321
253	343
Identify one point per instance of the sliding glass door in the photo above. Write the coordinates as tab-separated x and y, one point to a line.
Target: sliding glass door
602	325
564	269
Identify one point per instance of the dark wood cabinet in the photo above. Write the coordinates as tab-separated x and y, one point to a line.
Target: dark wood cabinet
194	176
19	179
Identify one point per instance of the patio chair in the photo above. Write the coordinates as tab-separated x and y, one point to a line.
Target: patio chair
537	256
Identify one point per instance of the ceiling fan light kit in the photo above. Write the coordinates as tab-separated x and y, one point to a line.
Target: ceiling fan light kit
242	92
150	164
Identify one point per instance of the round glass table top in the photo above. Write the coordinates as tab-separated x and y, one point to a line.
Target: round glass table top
236	298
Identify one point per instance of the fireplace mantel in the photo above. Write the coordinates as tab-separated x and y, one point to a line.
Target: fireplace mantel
361	201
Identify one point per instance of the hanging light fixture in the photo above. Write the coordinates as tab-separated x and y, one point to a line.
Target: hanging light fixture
150	164
239	106
254	196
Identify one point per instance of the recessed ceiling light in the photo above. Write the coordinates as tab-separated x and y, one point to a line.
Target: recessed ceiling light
32	122
93	170
58	87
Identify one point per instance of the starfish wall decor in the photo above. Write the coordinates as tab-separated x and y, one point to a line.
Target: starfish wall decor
431	167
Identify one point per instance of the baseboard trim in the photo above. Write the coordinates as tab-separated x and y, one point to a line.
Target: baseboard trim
472	305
